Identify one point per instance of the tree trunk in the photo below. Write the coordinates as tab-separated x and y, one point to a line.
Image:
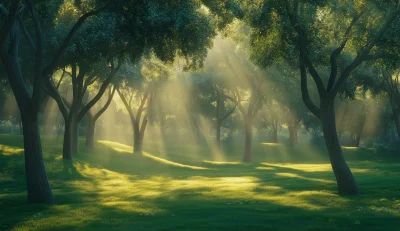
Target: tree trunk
75	135
89	142
360	130
275	133
396	117
218	124
218	135
344	177
248	134
37	184
292	135
137	139
67	145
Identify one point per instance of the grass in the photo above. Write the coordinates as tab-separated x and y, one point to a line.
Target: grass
183	187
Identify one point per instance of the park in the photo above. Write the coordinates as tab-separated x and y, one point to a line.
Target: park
199	115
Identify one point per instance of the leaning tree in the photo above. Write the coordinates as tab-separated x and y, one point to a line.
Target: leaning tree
322	33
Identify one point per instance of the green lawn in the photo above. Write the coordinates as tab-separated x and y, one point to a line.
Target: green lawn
183	187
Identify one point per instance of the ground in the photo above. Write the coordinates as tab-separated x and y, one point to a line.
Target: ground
183	187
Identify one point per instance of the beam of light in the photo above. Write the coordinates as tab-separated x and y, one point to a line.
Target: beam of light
207	129
128	149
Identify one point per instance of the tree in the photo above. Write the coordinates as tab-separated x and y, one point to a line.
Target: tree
387	80
38	188
95	55
89	142
207	92
320	28
137	91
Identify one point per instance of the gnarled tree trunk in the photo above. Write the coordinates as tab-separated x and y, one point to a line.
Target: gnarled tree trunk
344	177
37	184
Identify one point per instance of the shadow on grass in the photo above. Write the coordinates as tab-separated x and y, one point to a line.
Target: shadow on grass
106	189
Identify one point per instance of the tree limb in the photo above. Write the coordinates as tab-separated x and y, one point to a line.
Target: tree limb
55	61
338	50
363	55
8	24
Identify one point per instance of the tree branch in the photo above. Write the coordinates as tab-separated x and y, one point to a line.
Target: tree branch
127	106
362	56
337	51
11	17
106	105
53	65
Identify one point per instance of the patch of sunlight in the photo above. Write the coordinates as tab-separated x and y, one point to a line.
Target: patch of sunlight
221	162
164	161
116	146
265	168
391	209
309	167
350	148
9	150
59	157
302	167
120	192
126	148
271	144
293	175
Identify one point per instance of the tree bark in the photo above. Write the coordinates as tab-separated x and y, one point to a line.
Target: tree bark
37	184
67	144
248	134
75	135
344	177
89	142
137	138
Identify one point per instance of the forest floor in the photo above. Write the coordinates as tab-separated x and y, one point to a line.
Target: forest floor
182	187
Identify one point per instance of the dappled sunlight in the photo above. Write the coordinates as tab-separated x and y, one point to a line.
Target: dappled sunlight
118	190
222	162
47	219
309	168
168	162
9	150
265	168
116	146
302	167
271	144
293	175
350	148
126	148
